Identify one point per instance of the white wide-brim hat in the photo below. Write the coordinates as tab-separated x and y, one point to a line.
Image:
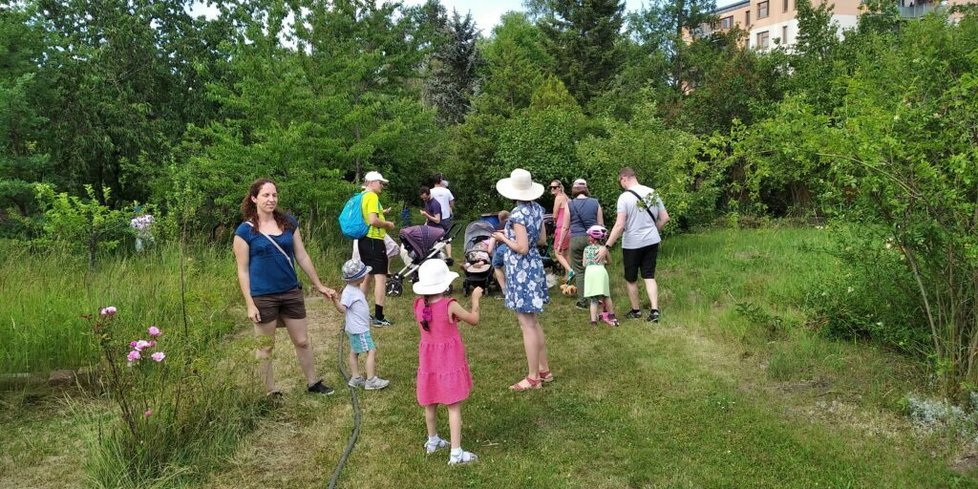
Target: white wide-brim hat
519	186
434	277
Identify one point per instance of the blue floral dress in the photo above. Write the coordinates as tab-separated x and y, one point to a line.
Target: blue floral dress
526	282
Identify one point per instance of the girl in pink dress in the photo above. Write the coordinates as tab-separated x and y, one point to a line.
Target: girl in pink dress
443	372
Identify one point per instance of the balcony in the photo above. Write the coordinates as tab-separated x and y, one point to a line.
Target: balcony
909	11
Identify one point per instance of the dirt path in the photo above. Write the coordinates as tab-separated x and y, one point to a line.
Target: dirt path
298	444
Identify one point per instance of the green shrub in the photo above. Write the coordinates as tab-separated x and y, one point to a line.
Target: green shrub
85	225
869	296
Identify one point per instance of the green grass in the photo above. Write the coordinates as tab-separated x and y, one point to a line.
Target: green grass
733	389
46	295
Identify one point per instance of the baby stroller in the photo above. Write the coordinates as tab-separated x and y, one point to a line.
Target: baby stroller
477	264
550	264
418	243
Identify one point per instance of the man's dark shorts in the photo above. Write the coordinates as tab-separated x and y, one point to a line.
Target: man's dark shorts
640	258
287	304
373	253
446	223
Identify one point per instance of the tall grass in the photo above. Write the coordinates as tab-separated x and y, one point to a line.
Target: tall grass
195	428
46	293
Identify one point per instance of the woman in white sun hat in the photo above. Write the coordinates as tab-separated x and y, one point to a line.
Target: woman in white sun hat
526	282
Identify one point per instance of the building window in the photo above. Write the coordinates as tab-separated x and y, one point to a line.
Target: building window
784	34
726	22
786	5
763	40
762	10
747	18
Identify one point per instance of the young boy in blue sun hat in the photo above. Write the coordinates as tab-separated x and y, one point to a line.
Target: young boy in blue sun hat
353	304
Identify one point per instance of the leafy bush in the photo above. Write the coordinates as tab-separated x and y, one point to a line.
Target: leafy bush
869	296
84	225
682	167
904	158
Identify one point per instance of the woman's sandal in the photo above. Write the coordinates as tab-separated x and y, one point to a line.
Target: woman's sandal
531	384
546	376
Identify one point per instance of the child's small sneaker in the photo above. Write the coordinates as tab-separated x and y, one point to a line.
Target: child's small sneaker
462	458
381	323
355	382
433	444
594	323
375	383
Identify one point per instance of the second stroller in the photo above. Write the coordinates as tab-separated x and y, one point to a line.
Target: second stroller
478	249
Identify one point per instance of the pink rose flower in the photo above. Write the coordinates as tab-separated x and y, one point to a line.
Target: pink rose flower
148	413
142	345
107	311
154	331
132	344
158	356
134	356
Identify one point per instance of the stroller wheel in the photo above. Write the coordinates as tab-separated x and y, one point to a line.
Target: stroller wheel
394	286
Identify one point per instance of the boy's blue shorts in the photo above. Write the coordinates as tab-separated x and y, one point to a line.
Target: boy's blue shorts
361	342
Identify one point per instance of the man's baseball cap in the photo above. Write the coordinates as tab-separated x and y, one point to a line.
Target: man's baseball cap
580	182
373	176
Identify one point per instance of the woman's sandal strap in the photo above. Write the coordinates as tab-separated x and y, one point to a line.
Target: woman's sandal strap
519	387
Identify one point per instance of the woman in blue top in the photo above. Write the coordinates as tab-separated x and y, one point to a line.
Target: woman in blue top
583	211
526	282
267	245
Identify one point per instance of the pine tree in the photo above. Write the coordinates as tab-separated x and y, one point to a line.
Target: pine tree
582	36
452	80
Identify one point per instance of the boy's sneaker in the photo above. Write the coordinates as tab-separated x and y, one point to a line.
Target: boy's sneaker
355	382
654	316
320	388
462	458
582	305
634	314
381	323
375	383
431	446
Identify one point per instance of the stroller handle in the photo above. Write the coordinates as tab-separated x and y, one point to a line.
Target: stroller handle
452	232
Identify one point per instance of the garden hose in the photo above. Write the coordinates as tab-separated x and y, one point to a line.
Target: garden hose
355	402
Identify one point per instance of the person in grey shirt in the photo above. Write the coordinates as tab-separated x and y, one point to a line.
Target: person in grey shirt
641	216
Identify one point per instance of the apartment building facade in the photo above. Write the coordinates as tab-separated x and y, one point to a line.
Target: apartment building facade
771	23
